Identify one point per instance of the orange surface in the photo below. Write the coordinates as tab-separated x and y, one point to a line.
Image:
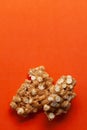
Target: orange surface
52	33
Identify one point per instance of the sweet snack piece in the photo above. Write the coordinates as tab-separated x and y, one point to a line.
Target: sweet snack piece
39	92
32	94
60	96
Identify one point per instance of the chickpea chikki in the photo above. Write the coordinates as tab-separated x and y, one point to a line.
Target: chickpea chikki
39	92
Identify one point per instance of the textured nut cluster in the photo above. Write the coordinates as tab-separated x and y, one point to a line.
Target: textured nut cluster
40	93
59	99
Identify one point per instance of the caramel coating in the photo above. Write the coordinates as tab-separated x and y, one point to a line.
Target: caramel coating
40	93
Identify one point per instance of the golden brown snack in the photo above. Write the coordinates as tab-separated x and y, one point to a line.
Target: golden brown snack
40	93
59	100
32	93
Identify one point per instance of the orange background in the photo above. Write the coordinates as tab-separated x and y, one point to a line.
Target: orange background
52	33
